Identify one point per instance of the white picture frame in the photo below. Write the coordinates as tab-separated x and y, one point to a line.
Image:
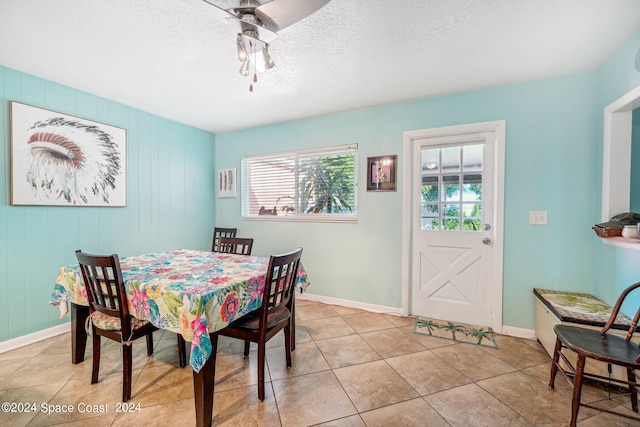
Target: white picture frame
227	182
63	160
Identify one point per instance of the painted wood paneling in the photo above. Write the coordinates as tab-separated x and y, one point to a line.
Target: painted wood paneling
170	201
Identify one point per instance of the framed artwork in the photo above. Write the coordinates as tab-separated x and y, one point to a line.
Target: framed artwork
227	182
381	173
63	160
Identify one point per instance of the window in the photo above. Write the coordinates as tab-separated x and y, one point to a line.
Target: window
452	188
311	185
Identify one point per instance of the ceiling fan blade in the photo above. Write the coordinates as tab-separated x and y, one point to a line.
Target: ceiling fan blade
279	14
210	8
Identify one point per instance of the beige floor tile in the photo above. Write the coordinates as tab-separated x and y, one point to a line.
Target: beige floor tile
165	352
330	327
96	421
8	367
27	351
30	373
426	372
314	310
373	385
352	421
162	384
346	311
346	358
480	408
235	370
306	359
346	351
76	393
311	399
399	320
367	322
26	402
517	353
533	399
392	342
173	413
241	407
606	419
411	413
473	361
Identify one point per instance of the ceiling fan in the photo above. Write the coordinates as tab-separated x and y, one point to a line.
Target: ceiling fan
257	24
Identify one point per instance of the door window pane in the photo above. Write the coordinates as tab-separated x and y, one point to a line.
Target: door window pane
451	159
430	161
472	158
451	192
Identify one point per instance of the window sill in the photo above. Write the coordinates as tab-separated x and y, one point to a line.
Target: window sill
307	218
621	242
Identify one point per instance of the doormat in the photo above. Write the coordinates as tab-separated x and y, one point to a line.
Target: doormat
459	332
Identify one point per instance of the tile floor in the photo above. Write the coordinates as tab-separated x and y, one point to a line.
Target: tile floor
350	368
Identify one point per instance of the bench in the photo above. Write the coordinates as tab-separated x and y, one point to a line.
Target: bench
581	309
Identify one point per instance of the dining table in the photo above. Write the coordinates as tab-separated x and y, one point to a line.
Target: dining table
191	292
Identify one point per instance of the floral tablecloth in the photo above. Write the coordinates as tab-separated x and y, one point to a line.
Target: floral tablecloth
185	291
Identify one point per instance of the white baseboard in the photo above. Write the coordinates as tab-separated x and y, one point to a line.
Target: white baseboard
18	342
512	331
348	303
506	330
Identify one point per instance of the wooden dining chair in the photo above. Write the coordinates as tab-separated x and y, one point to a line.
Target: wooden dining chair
603	346
221	232
109	314
275	313
235	245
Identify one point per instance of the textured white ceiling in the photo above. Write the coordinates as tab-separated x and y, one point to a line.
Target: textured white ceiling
170	59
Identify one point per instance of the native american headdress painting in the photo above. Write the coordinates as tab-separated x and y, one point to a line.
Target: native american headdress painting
61	160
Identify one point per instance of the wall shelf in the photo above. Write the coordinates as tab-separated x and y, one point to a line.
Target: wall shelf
633	244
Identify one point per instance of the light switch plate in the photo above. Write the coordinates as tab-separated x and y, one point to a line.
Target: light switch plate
538	217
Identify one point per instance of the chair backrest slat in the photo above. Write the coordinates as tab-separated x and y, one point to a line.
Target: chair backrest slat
280	281
106	293
221	232
235	245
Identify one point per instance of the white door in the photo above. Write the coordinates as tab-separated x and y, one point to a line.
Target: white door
456	222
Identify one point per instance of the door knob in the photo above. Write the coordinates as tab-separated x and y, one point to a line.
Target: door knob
486	241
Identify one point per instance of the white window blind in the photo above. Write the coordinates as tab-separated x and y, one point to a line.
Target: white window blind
310	185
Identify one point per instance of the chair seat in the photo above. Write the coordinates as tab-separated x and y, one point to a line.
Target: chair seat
608	348
112	323
251	322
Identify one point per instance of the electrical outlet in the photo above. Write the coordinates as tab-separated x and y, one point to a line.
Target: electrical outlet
538	217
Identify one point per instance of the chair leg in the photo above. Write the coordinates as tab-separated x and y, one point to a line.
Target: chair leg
288	344
247	344
633	392
96	358
149	343
554	364
127	361
261	367
182	351
577	390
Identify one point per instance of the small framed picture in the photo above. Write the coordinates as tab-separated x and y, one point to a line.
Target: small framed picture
227	182
381	173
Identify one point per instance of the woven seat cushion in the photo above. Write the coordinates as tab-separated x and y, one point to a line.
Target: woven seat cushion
252	320
112	323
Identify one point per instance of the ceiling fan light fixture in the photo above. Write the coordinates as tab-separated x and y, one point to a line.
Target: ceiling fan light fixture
268	62
244	70
242	52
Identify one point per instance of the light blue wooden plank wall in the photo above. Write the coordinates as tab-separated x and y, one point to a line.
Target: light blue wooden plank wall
170	201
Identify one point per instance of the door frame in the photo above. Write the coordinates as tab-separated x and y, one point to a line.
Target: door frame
498	127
